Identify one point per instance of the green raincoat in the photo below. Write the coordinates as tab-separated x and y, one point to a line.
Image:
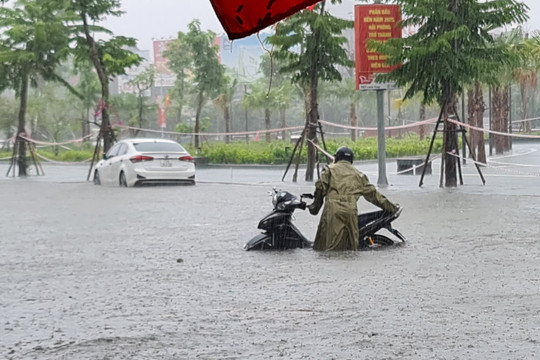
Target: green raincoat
340	186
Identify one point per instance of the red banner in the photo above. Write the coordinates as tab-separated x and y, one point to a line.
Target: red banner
241	18
162	118
373	22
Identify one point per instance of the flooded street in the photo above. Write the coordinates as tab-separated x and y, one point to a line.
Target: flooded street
94	272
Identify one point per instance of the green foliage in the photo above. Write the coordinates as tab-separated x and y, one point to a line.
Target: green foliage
35	40
183	128
311	42
196	53
279	152
67	155
453	46
8	116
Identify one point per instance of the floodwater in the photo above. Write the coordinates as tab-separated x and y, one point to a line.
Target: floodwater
93	272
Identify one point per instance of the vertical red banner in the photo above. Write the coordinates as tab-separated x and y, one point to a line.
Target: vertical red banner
373	22
162	118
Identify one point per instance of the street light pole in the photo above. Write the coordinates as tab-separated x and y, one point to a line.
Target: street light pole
381	146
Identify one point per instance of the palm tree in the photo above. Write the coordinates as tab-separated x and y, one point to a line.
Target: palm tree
223	102
261	97
312	45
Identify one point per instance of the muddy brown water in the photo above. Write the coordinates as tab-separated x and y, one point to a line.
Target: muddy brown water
89	272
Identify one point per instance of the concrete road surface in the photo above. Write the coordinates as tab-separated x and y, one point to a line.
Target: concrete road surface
94	272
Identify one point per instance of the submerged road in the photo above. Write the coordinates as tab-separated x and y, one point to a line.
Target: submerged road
94	272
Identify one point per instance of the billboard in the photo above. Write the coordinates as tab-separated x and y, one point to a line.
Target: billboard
373	22
164	76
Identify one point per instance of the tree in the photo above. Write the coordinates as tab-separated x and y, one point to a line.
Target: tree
35	40
346	90
223	102
526	72
142	82
475	110
260	97
312	45
109	57
8	118
54	118
452	47
179	61
271	69
197	52
89	88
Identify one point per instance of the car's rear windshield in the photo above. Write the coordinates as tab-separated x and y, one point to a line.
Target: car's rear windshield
158	147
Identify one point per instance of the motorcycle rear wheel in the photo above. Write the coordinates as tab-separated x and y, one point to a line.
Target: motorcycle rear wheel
379	241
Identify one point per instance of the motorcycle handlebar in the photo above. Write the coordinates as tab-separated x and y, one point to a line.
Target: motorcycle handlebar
307	196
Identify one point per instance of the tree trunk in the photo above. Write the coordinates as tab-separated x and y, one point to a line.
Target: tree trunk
140	105
85	125
450	145
227	116
506	116
20	143
267	124
197	129
475	109
526	125
471	120
105	129
353	119
479	108
312	122
313	114
283	122
497	119
422	130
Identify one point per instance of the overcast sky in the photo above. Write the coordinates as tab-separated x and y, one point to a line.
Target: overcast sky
156	19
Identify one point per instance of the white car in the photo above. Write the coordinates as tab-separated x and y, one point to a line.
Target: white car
135	162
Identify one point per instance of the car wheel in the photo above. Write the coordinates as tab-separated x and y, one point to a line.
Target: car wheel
122	181
97	181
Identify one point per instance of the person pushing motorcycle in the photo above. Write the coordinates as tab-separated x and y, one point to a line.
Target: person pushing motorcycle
340	187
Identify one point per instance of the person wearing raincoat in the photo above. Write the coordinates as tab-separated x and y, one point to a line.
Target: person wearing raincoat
340	187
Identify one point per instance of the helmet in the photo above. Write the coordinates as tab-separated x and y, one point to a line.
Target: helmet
344	153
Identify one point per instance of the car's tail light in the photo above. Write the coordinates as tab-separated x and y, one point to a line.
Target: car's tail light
139	158
186	158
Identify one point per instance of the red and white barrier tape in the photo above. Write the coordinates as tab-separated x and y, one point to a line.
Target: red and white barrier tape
80	140
493	132
418	123
292	128
501	168
254	132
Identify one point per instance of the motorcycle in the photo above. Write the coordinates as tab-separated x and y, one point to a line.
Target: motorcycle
280	233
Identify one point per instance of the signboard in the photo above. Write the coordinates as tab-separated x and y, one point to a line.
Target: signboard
373	22
160	62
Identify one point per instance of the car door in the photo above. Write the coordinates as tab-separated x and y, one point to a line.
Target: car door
116	163
105	171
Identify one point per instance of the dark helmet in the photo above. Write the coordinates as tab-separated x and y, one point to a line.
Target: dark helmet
344	153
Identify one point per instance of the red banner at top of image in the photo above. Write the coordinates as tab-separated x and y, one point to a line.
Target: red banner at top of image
379	23
241	18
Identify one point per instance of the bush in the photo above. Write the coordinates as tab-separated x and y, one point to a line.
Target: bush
279	152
